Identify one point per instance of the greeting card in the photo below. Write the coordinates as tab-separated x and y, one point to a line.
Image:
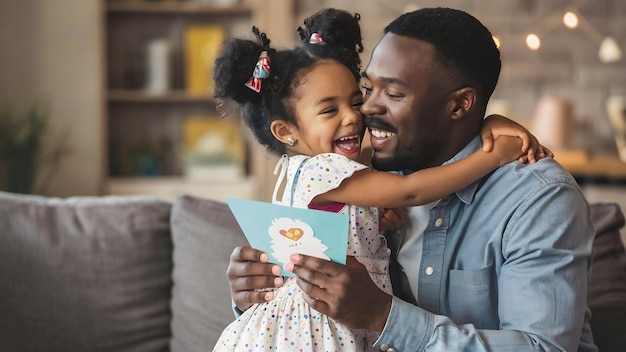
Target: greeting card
280	231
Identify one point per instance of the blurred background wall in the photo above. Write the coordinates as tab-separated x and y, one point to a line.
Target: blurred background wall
52	51
566	65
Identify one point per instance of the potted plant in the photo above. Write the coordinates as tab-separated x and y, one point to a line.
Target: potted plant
22	154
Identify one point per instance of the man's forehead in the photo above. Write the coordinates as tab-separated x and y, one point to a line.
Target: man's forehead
396	58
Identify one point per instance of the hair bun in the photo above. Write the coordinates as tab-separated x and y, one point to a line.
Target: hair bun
337	28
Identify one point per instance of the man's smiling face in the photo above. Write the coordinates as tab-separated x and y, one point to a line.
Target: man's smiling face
405	105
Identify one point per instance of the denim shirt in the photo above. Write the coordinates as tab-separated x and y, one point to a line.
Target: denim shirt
505	267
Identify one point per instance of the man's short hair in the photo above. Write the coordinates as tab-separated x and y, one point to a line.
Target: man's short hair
463	44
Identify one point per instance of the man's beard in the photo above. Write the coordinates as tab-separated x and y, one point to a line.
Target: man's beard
412	155
408	158
401	159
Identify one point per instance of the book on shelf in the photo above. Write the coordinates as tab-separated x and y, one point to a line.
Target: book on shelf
214	148
202	45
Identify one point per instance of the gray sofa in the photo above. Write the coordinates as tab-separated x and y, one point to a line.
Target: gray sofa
140	274
113	273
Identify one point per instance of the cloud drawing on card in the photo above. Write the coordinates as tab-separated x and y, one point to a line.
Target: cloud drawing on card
294	236
280	231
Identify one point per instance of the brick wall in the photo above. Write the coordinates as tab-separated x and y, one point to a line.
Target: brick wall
566	65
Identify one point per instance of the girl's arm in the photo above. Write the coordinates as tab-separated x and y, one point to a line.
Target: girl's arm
382	189
498	125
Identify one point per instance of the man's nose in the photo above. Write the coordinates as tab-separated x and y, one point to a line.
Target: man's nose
372	106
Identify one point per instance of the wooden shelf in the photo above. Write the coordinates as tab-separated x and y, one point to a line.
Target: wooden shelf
584	166
169	188
140	96
172	7
144	131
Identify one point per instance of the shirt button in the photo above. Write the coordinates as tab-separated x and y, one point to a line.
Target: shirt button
430	270
438	222
386	348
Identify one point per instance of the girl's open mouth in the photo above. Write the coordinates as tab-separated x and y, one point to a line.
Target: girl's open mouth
349	144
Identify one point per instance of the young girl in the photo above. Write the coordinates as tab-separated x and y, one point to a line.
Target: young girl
304	104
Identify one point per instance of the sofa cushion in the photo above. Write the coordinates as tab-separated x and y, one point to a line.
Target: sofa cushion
607	287
84	273
204	234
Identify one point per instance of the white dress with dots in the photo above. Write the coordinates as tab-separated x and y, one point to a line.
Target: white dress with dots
288	323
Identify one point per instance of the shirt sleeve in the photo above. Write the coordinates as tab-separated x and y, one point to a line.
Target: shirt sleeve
324	172
542	286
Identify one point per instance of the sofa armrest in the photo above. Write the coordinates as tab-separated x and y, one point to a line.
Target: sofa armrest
607	287
204	233
606	294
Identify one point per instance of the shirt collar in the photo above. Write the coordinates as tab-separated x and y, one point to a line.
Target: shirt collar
466	195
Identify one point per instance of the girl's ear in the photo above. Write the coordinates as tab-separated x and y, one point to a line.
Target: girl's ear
462	101
283	131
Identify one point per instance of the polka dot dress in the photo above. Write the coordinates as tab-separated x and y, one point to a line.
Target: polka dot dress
287	323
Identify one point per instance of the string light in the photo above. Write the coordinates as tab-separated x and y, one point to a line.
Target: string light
570	20
609	49
533	41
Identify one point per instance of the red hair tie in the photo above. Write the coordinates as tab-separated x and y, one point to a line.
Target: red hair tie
261	71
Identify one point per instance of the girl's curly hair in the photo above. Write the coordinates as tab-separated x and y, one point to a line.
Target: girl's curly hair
341	36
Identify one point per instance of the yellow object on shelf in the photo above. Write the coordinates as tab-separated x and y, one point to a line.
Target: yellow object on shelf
213	148
202	45
199	131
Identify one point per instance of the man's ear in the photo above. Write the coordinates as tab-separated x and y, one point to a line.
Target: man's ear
463	100
282	130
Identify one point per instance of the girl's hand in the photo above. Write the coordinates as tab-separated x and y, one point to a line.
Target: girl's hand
507	149
391	219
495	126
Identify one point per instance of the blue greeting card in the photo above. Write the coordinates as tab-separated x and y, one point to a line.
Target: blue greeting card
280	231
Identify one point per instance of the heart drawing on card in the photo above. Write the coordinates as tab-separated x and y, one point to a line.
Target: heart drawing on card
293	233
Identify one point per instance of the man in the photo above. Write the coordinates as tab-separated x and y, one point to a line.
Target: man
499	266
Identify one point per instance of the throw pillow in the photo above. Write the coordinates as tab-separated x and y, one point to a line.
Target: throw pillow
84	274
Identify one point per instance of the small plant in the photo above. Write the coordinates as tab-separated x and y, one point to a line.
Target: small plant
21	150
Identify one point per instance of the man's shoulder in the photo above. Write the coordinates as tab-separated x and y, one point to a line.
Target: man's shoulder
544	172
514	183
